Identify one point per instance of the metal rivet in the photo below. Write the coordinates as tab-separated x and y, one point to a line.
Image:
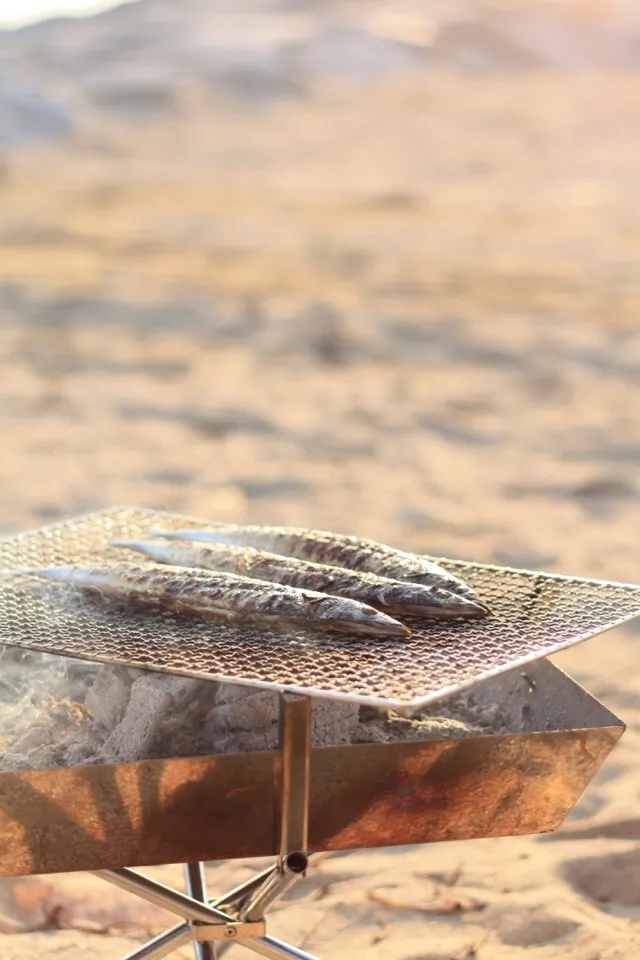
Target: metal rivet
230	932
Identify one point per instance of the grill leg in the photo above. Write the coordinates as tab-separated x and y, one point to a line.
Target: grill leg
273	949
197	888
247	902
292	793
163	944
292	819
163	896
229	901
293	773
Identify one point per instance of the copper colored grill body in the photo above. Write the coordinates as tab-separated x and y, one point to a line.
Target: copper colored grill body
334	798
534	615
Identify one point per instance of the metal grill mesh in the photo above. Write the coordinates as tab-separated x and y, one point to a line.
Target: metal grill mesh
534	615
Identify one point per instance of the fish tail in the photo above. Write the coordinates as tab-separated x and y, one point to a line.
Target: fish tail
131	544
51	573
173	534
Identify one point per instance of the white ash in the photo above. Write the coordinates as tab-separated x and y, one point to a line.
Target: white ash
60	712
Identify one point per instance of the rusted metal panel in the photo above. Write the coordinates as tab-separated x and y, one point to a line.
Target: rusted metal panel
371	795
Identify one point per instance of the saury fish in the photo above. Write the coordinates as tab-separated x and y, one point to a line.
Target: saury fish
336	549
395	596
207	593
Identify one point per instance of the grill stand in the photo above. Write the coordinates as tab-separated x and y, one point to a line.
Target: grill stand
237	917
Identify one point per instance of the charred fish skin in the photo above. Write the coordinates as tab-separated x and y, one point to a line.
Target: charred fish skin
223	594
403	596
334	549
393	596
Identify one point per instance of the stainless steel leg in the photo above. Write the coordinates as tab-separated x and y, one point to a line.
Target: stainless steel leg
197	888
275	886
162	896
249	900
195	881
274	949
292	793
190	909
294	765
168	941
292	797
227	901
163	944
237	895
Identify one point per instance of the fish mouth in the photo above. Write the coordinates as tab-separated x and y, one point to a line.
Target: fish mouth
464	607
380	628
461	609
446	582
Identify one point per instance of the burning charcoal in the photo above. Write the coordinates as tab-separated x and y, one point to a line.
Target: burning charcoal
84	745
255	710
244	741
334	722
153	698
107	699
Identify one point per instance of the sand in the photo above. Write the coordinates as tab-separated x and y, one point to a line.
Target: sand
404	306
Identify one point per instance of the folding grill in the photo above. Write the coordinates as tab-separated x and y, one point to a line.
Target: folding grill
107	818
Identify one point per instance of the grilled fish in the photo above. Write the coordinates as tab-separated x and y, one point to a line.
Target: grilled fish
335	549
208	593
394	596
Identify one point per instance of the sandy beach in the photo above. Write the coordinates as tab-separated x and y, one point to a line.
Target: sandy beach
405	308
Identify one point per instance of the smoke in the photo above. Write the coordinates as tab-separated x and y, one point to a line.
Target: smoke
56	712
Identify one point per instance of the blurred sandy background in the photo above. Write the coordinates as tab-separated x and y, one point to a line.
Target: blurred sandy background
372	267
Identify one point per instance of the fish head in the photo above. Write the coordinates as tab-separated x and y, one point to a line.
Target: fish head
358	618
429	602
437	577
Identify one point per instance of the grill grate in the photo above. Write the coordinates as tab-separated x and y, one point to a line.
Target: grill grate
534	615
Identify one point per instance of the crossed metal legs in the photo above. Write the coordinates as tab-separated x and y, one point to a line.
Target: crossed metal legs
237	917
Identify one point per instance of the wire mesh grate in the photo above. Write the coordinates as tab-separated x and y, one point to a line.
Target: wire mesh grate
534	615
